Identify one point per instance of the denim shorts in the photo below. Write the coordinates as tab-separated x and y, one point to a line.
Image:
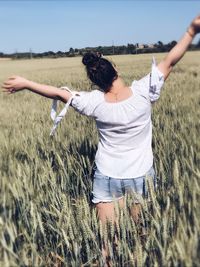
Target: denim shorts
108	189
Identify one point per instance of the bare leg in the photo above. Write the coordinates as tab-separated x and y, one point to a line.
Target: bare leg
135	212
106	212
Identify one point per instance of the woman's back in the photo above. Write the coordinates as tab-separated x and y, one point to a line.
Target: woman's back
125	129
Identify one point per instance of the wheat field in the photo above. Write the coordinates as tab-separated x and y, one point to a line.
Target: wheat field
46	216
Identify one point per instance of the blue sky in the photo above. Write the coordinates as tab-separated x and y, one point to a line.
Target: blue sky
59	25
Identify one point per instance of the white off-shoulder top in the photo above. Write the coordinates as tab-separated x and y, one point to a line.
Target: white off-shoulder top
125	127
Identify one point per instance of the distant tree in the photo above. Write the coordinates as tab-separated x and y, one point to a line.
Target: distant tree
160	47
71	52
59	54
50	53
160	44
170	45
131	49
173	43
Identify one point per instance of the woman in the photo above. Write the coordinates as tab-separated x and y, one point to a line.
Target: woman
123	117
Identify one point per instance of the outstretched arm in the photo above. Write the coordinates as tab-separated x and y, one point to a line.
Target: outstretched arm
180	48
15	84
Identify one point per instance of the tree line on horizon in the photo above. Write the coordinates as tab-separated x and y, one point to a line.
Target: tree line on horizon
137	48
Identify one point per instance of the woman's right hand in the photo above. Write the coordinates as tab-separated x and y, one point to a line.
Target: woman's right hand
15	84
194	27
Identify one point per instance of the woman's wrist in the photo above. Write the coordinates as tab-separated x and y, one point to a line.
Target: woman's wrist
191	31
30	84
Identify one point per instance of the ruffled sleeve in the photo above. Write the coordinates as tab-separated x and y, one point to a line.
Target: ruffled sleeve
83	102
150	85
156	81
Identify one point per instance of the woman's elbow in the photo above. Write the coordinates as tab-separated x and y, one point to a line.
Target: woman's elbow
165	67
63	95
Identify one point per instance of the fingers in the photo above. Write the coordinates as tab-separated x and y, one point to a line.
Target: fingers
12	77
7	86
10	91
6	83
10	80
9	83
13	84
5	91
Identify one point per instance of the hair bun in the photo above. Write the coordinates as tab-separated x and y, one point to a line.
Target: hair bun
90	59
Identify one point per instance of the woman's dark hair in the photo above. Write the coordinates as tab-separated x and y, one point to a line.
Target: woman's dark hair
99	70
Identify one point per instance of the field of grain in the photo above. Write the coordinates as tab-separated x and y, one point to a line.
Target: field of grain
46	217
4	59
